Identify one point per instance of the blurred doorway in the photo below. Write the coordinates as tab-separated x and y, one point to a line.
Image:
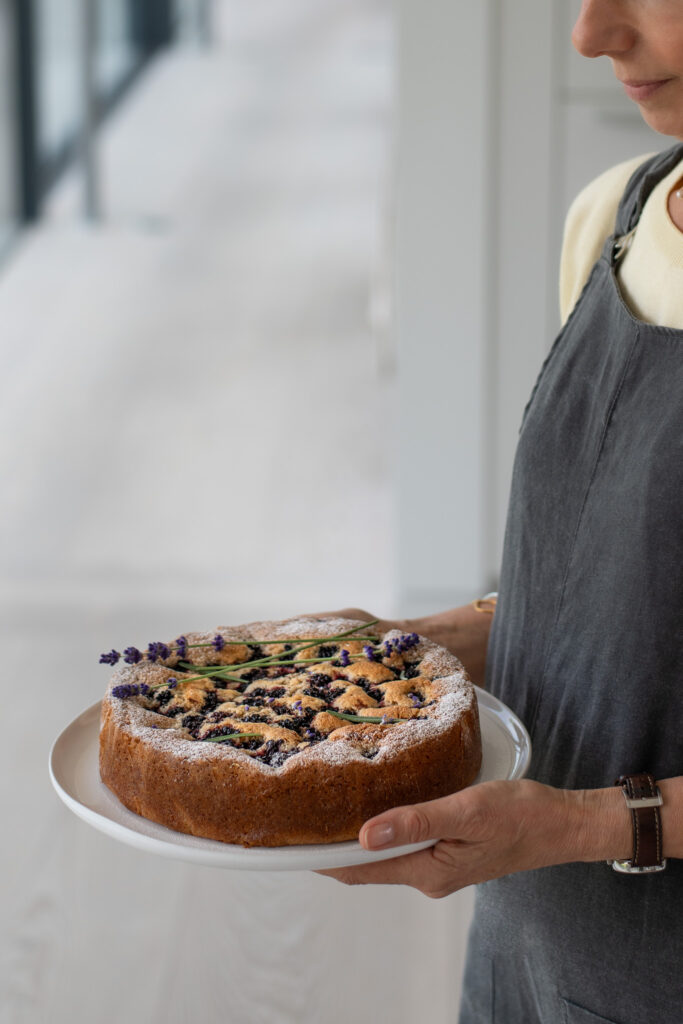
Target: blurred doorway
9	200
56	41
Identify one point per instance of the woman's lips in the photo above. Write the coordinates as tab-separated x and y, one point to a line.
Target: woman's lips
640	91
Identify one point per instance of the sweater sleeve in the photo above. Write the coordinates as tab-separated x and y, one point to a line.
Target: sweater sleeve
589	224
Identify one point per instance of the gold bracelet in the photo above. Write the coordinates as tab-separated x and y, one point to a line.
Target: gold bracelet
486	604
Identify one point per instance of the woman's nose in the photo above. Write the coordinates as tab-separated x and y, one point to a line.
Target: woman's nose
603	29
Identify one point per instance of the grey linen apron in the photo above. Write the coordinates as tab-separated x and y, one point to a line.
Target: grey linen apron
587	648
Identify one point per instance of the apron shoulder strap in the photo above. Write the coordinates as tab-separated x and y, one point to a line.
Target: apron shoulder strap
641	184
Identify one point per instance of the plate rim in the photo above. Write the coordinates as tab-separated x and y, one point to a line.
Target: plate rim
212	853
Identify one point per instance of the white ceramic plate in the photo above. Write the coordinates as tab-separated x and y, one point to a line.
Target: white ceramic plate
74	771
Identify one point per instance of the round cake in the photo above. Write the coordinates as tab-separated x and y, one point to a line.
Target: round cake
280	733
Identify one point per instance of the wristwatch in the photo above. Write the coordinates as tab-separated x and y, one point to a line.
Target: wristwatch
643	800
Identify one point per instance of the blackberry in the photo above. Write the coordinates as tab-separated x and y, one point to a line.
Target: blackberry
253	744
192	723
223	730
327	650
318	679
210	701
280	756
271	748
316	691
410	671
163	696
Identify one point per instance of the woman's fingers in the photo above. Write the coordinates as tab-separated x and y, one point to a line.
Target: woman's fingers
343	613
414	869
415	823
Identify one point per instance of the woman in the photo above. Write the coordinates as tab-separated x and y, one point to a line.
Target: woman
585	643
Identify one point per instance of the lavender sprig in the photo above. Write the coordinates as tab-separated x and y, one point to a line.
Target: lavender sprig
157	650
286	659
130	690
109	659
372	719
230	736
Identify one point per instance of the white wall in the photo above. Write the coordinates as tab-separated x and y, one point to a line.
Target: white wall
500	124
440	283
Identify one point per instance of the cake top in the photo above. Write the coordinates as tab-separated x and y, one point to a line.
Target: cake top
268	691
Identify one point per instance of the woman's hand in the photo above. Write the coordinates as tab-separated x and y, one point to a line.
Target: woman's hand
491	830
383	625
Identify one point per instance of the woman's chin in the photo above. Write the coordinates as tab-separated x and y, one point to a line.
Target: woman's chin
665	122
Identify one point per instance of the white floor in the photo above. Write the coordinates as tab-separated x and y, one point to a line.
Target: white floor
196	427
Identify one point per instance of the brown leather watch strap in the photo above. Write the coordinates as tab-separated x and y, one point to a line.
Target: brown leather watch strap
643	799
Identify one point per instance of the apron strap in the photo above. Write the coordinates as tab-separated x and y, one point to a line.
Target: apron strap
637	191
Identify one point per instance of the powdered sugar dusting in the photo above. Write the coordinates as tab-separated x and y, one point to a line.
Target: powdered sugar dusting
371	743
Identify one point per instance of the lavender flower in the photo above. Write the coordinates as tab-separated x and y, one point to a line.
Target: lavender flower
369	652
126	690
172	682
344	659
181	647
401	643
157	650
132	655
144	689
218	642
109	659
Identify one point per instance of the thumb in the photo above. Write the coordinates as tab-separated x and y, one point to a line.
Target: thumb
415	823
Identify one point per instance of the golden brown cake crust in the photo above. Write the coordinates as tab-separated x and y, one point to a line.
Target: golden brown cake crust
325	789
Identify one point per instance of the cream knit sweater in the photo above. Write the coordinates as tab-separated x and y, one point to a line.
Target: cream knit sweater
651	272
